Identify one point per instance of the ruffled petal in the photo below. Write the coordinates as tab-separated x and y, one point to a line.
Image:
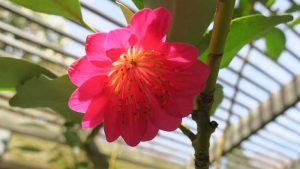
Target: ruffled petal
82	70
95	50
112	120
162	22
98	60
184	81
82	97
78	104
118	40
95	113
187	74
179	106
161	119
95	43
133	128
115	53
151	132
151	27
165	121
179	54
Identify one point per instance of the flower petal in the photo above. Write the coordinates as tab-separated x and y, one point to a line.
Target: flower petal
119	39
115	53
95	43
98	60
95	50
133	128
112	120
151	26
161	119
76	103
180	106
186	84
82	70
151	132
82	97
180	54
95	113
182	61
141	20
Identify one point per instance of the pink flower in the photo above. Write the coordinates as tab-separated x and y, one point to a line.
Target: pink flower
134	81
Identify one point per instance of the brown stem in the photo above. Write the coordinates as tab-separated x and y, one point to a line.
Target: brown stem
205	127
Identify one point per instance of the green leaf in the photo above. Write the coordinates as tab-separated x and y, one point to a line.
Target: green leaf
44	92
275	43
72	138
203	44
67	8
218	97
126	11
269	3
245	7
138	3
243	31
190	19
14	72
295	22
29	148
293	8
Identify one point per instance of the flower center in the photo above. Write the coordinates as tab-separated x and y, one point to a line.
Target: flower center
137	78
135	71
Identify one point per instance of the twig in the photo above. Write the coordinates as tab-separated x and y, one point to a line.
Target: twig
187	132
94	133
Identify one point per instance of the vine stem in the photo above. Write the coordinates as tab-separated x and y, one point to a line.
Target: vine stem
205	127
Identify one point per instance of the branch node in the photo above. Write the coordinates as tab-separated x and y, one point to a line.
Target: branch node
201	160
204	102
206	97
212	126
215	55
